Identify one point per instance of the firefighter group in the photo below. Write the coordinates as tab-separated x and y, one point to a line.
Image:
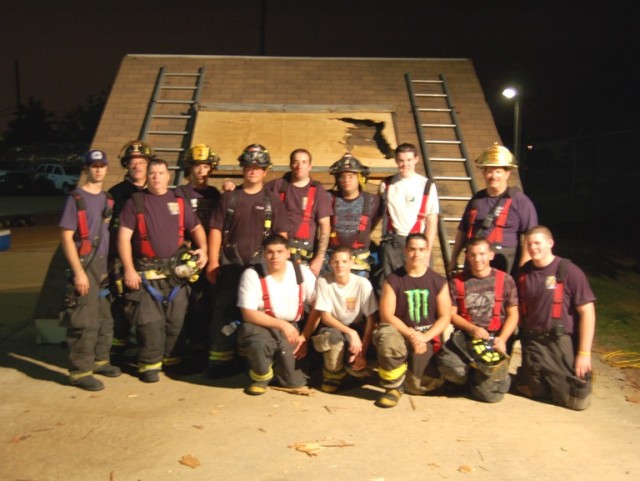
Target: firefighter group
277	280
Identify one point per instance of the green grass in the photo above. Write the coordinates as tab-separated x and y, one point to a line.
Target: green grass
617	312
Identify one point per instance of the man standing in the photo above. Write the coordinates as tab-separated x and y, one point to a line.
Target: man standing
415	309
243	218
557	308
134	157
308	208
499	213
271	298
157	295
348	309
85	242
411	206
355	212
203	199
485	315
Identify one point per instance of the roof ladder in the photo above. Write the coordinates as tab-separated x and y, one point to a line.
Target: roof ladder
443	152
170	118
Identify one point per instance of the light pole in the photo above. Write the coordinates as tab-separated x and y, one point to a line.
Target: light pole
512	93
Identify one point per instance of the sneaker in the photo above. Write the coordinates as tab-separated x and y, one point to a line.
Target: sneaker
108	370
389	399
88	383
256	389
150	376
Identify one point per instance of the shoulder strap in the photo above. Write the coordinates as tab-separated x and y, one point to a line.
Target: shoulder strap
303	231
143	235
365	219
558	292
83	224
268	213
458	281
180	220
496	323
422	213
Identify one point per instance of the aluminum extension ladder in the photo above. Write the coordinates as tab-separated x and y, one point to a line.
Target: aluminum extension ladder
444	154
170	118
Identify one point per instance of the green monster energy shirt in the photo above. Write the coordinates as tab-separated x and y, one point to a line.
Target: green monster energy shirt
416	297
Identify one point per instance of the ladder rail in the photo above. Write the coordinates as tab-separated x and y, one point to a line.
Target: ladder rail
185	120
424	151
425	144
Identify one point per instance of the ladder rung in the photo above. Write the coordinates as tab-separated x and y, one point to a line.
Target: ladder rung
164	116
177	87
454	197
427	81
182	74
176	101
448	126
431	95
467	179
447	159
168	132
433	110
168	149
448	142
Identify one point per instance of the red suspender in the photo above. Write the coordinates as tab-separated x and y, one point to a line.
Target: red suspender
303	230
558	294
462	307
83	225
472	219
495	237
180	221
422	213
499	299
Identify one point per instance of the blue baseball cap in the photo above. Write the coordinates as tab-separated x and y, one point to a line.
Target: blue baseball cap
95	157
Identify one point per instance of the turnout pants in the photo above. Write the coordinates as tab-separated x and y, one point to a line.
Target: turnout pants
89	326
270	356
158	324
398	365
547	371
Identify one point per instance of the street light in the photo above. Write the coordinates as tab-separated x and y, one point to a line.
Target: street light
512	93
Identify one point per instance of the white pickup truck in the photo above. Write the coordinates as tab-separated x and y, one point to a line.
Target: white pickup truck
57	177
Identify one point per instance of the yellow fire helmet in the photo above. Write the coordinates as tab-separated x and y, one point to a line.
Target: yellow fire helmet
200	154
496	156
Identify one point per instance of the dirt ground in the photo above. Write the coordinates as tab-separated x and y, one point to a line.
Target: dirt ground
133	431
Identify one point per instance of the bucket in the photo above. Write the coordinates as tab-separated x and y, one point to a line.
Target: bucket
5	240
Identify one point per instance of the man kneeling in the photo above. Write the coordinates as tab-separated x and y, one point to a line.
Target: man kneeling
415	308
271	299
485	314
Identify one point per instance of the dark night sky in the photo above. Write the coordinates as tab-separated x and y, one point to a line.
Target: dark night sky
577	66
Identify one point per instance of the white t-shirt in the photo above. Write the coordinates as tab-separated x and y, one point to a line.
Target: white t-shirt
283	295
347	303
403	199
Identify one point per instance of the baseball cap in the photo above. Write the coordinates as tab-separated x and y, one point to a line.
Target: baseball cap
95	157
